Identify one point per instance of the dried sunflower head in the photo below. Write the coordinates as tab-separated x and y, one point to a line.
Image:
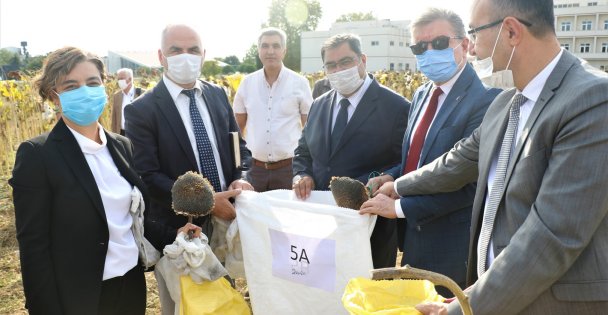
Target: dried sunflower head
192	195
348	192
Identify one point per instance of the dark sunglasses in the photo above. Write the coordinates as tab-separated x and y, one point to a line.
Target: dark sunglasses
473	32
438	43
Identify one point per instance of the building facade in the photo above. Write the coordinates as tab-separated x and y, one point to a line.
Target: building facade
131	59
385	42
582	29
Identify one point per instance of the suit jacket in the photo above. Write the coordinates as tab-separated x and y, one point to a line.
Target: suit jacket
551	229
162	150
117	108
435	234
61	223
371	143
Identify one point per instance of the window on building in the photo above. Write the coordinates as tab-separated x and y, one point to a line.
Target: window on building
407	66
586	25
392	43
392	67
375	43
400	66
401	43
566	26
602	68
565	46
585	47
592	4
605	47
606	24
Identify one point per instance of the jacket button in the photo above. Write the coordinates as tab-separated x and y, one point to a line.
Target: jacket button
418	228
102	244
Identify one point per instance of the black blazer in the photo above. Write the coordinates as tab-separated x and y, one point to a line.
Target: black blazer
163	152
371	142
61	223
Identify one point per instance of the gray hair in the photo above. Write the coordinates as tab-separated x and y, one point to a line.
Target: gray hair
435	14
353	41
271	31
125	70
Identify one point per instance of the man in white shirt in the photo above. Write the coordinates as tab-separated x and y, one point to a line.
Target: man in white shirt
271	107
123	97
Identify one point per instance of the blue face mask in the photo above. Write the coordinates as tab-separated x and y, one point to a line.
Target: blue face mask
84	105
438	65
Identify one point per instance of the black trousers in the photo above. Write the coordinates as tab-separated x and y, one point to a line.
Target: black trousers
125	295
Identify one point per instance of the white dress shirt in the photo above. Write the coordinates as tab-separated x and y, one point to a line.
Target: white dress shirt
127	98
182	102
445	88
531	92
115	193
273	113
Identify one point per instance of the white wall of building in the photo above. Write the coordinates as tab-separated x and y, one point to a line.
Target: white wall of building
385	42
582	28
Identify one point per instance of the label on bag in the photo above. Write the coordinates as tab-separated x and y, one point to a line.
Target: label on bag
305	260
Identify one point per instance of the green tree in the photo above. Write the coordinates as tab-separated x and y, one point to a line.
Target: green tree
34	64
211	68
252	61
8	57
232	60
357	16
227	69
294	17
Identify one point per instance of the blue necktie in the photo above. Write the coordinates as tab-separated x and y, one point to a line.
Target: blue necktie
340	123
203	144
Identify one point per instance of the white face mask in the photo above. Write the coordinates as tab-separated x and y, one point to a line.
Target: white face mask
502	79
122	84
346	81
184	68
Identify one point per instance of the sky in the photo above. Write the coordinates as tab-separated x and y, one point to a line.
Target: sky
227	27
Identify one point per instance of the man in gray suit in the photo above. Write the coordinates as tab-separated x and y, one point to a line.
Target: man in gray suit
539	228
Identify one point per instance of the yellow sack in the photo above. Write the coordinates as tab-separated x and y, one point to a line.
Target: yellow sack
366	297
216	297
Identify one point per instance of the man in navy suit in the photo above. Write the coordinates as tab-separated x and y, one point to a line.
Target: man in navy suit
434	229
353	130
182	125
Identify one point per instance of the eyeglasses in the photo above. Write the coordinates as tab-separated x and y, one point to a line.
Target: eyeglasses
473	32
343	63
438	43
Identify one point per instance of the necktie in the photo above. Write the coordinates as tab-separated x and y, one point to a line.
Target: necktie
203	144
413	154
340	124
489	214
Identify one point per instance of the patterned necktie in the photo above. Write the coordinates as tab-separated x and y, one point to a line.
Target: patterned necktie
413	154
340	123
489	214
203	144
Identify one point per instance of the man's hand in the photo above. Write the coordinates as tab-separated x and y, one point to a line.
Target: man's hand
302	186
381	205
189	227
223	208
240	184
388	189
432	308
374	183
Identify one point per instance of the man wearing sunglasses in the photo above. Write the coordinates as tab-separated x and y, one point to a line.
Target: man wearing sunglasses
353	130
434	229
539	227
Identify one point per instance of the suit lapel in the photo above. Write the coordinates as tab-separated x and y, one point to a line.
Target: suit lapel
553	82
365	108
168	108
119	155
71	152
325	120
210	98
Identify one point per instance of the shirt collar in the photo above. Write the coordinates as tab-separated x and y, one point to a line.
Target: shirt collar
447	86
175	90
130	92
87	145
535	86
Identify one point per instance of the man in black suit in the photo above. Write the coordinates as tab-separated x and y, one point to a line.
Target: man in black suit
352	131
182	125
